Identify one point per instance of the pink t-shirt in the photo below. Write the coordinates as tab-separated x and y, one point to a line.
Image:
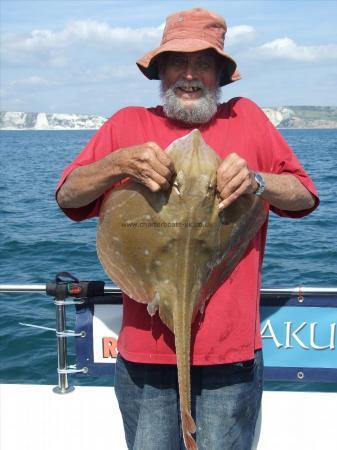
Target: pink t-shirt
229	329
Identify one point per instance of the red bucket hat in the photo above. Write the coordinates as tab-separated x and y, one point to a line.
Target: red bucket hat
190	31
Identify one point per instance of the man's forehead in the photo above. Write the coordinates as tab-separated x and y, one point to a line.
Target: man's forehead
207	53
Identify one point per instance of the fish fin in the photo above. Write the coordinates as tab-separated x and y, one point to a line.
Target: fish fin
189	442
189	422
152	307
188	429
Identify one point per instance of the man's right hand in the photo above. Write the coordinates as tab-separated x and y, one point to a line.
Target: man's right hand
148	164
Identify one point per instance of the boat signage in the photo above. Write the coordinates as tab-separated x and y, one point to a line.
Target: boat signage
299	335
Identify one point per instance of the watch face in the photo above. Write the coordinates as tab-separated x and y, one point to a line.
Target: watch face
259	179
261	183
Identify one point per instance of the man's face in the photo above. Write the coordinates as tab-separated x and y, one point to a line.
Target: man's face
190	85
200	66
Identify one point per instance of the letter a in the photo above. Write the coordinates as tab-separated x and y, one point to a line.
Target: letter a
268	326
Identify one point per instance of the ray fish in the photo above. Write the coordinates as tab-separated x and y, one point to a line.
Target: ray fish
173	249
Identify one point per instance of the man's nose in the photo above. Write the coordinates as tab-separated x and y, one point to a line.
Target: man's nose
190	72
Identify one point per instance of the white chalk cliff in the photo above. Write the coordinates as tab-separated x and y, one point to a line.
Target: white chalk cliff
44	121
282	117
303	116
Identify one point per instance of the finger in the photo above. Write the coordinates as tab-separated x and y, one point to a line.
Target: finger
164	159
233	185
161	170
230	199
160	161
153	178
233	175
152	185
231	160
226	171
230	187
233	196
154	146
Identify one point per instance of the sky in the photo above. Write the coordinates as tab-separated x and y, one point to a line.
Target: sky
75	56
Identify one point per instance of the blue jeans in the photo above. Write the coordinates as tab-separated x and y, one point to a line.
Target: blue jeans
226	400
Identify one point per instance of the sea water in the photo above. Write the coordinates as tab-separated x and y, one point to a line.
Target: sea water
37	241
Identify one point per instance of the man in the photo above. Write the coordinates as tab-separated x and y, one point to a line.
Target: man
226	352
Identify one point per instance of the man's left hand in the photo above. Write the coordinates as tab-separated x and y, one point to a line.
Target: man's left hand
234	178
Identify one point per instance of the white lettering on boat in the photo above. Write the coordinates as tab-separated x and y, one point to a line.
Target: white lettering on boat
291	336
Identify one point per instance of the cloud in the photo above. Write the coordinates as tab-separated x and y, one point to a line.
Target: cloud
287	49
53	46
240	34
32	81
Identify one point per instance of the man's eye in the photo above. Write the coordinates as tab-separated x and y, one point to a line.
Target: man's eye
204	65
178	62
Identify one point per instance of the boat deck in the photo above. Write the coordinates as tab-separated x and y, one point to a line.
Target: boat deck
33	417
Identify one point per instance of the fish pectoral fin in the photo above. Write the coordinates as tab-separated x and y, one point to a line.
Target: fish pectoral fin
152	307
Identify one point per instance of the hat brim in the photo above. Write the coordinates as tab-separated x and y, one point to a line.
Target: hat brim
149	67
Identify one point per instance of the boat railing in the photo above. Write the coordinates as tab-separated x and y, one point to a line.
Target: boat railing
74	295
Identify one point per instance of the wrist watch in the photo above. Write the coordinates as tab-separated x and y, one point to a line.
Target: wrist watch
261	184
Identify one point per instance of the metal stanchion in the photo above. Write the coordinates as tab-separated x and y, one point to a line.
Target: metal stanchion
61	338
63	287
66	285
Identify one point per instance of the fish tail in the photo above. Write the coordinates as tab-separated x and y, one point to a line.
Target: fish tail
188	428
189	422
183	362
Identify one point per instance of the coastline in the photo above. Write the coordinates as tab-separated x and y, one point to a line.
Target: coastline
282	117
95	129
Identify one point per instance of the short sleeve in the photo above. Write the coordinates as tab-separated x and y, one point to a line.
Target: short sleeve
284	161
99	146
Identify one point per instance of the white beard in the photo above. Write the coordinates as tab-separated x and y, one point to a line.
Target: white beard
198	111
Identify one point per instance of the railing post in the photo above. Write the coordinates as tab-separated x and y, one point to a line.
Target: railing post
63	386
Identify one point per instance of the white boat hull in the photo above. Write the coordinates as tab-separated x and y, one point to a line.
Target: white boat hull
33	417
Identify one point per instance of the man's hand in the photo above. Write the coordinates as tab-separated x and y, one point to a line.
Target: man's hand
234	178
147	164
283	191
